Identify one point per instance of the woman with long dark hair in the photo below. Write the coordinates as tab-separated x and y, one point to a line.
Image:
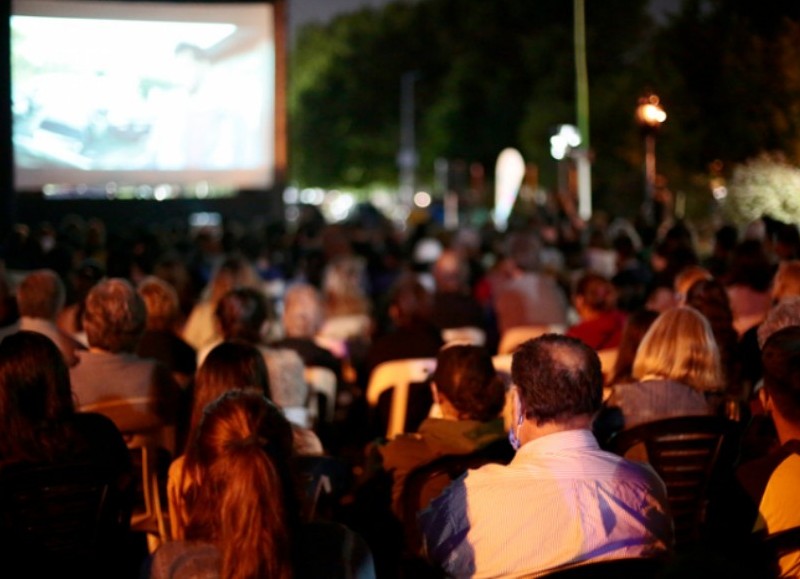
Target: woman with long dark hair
242	515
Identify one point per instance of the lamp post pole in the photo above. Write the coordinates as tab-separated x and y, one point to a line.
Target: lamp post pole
649	115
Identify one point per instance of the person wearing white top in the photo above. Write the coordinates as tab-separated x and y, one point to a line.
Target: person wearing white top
561	499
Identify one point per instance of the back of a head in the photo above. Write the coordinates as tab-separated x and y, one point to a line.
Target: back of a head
243	503
687	277
41	294
465	375
558	377
783	315
524	249
750	266
161	302
114	317
302	311
235	272
229	366
241	314
636	326
596	293
450	272
680	346
781	359
35	397
709	297
411	302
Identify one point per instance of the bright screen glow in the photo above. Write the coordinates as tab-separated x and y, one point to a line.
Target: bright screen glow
142	99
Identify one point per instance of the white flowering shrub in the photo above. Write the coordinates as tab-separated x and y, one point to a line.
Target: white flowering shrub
766	185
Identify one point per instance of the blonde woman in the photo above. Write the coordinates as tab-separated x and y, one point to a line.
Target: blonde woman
677	370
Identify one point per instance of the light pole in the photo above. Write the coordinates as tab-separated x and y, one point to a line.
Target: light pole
649	115
407	156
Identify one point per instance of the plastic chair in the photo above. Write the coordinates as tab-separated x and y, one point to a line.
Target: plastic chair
148	514
608	358
426	482
322	381
689	453
399	375
464	335
513	337
61	519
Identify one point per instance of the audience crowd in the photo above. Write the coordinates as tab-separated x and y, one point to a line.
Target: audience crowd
244	356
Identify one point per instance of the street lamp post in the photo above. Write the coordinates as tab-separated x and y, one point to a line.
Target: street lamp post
649	115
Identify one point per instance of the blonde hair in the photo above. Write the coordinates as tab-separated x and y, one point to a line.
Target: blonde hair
680	346
161	302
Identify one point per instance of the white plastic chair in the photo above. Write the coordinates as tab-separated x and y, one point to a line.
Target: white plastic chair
513	337
322	381
398	374
470	335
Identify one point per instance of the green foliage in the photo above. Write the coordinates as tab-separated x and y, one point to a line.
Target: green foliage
501	73
764	186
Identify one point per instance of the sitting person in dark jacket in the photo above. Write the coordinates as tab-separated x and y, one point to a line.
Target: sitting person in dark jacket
470	395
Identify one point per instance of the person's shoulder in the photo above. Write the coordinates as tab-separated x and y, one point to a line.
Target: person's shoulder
183	559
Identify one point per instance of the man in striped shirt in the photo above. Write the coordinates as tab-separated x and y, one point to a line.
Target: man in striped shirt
561	500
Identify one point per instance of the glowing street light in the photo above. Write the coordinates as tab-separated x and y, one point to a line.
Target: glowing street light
650	115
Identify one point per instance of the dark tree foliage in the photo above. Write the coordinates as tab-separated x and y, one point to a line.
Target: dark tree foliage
502	73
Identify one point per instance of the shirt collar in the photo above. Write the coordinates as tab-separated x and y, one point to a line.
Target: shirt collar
560	441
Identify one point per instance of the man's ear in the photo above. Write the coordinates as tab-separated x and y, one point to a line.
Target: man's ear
435	393
517	413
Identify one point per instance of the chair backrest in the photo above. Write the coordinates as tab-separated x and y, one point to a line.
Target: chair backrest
61	518
689	453
608	358
471	335
322	381
426	482
148	515
515	336
398	374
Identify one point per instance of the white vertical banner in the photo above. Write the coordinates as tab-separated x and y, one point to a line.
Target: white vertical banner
508	175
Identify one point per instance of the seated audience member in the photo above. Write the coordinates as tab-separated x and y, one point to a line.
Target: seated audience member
523	296
412	336
235	272
772	482
686	278
748	283
676	366
636	326
520	519
471	395
243	516
453	304
40	298
230	366
302	320
138	394
346	307
708	296
601	322
160	340
40	427
88	274
242	315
